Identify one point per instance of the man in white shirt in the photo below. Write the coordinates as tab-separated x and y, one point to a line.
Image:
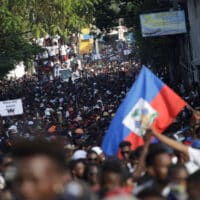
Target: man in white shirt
52	52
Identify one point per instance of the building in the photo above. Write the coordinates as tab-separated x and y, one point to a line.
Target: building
194	36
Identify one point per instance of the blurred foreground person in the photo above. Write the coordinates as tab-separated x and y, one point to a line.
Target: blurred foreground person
7	172
157	162
193	182
41	171
177	177
92	176
150	194
78	190
111	178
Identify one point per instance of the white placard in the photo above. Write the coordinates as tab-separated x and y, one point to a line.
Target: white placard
11	107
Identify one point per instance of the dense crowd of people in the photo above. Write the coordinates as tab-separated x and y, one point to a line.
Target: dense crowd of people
53	151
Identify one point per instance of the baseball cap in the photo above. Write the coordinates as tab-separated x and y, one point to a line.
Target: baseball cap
79	154
196	144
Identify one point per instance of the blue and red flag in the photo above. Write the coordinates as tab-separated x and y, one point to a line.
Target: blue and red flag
149	102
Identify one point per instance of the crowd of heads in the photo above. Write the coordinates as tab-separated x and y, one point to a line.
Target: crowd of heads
53	150
78	111
40	169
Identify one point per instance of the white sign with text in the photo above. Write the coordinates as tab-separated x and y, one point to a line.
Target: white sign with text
11	107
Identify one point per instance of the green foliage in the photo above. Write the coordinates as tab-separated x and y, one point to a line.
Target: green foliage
107	14
55	16
109	11
15	48
23	20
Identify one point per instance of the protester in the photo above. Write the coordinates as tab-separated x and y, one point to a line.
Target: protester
192	184
92	157
111	178
92	176
191	153
158	162
40	170
125	148
72	115
177	177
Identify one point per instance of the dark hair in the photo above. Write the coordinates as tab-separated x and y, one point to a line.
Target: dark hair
112	165
89	167
136	153
73	163
40	146
124	144
3	156
194	178
91	151
174	168
154	150
150	192
125	174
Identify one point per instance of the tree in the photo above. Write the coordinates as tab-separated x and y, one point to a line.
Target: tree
14	45
55	16
23	20
156	51
106	15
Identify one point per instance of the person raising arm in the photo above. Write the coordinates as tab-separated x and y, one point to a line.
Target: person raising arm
192	153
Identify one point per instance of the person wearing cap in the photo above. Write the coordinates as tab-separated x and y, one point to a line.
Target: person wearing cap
99	152
191	152
92	157
79	154
78	164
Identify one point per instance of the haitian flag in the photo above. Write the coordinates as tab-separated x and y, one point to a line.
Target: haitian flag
149	102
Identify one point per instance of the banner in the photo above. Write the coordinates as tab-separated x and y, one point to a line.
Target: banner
85	46
85	41
163	23
11	107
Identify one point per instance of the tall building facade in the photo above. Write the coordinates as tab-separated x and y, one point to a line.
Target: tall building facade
193	7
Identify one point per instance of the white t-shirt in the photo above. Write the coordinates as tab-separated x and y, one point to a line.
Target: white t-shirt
67	114
56	49
79	64
45	54
63	50
40	41
194	155
68	64
51	50
48	111
191	167
56	70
